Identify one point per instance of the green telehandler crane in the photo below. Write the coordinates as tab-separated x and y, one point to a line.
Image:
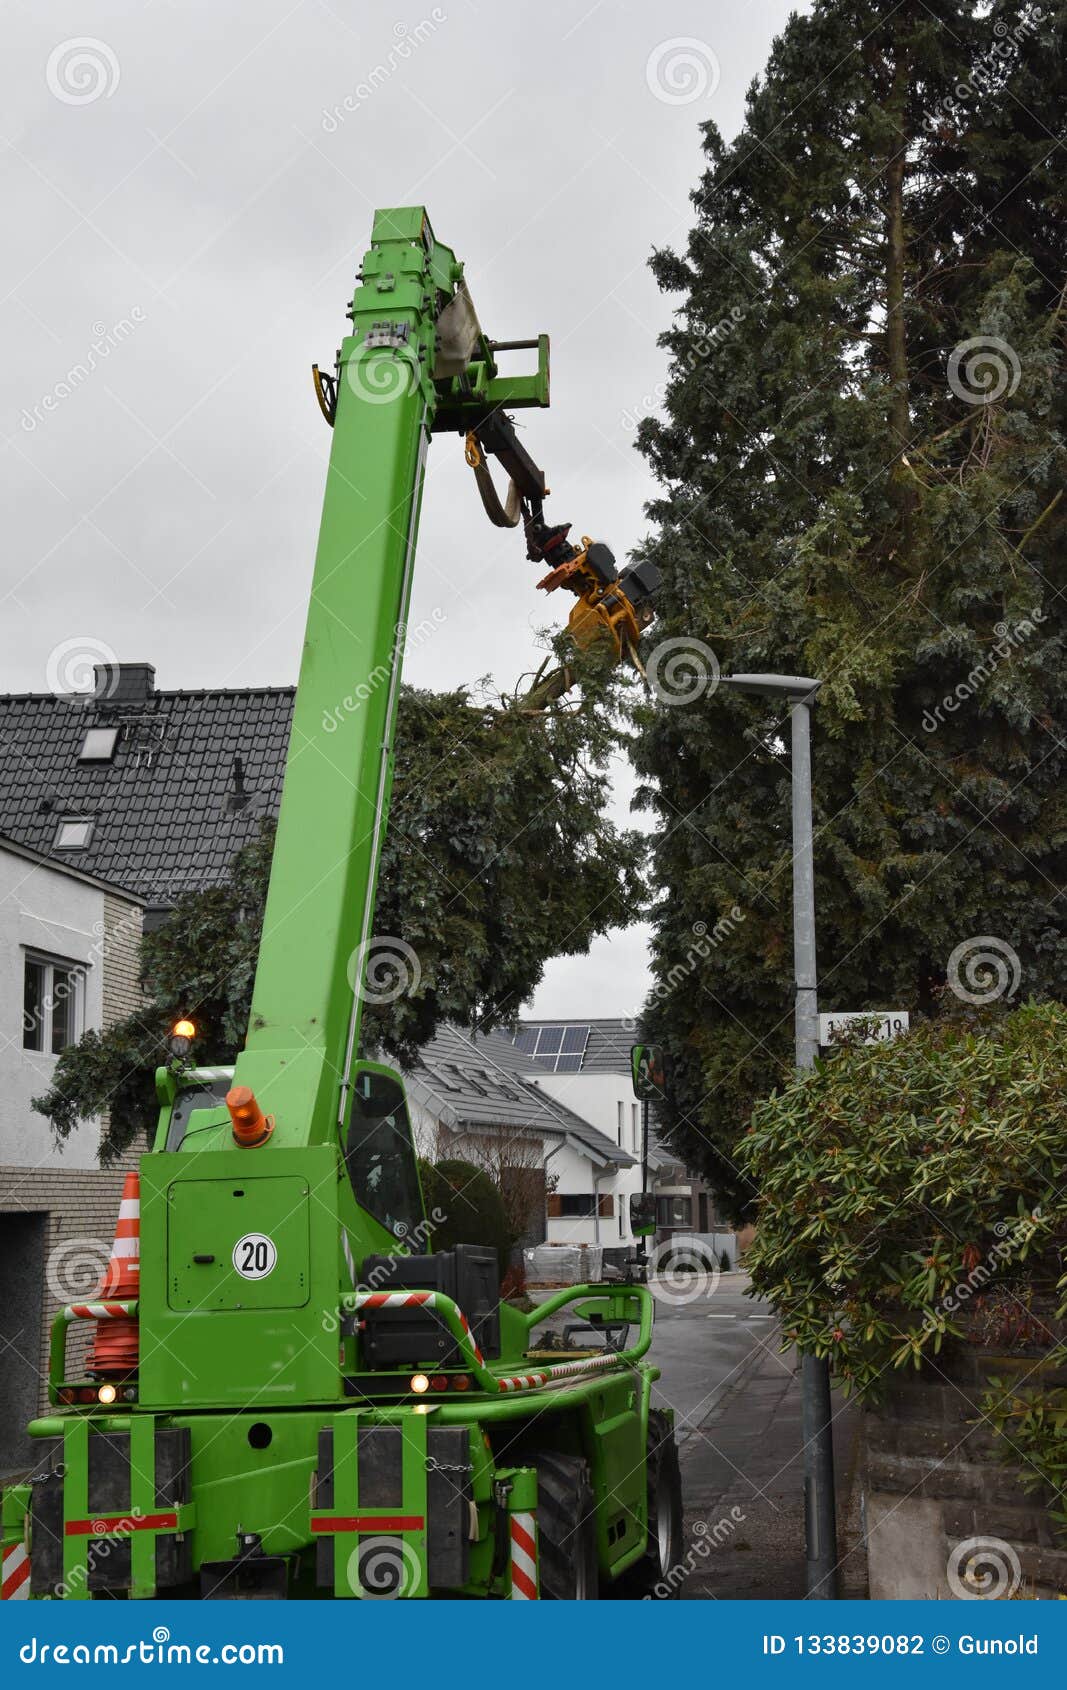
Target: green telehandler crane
289	1394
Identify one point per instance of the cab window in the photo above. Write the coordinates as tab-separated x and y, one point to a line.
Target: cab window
380	1156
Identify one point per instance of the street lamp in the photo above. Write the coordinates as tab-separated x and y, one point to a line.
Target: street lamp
798	692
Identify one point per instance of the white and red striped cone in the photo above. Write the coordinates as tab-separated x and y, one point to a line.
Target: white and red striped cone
114	1351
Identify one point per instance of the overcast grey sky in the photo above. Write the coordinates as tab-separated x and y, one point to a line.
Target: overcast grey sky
188	189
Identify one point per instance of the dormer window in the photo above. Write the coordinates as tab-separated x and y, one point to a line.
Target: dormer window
73	834
98	746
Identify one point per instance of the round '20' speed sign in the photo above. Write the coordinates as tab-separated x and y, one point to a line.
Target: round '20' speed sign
254	1255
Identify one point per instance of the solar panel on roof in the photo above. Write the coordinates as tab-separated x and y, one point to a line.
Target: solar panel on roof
526	1040
575	1040
568	1064
549	1040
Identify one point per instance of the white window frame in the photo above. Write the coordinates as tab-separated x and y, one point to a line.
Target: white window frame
108	756
74	821
43	959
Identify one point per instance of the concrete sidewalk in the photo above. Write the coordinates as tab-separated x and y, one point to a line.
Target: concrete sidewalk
742	1479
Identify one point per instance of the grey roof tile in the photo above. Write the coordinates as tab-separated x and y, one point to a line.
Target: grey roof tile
477	1080
163	807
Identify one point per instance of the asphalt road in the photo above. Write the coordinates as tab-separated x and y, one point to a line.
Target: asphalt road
701	1343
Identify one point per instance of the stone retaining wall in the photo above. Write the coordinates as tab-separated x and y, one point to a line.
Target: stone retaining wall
934	1480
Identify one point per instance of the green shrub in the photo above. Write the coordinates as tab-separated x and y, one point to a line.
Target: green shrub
899	1180
470	1205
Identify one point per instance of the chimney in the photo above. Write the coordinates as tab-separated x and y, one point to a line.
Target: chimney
123	683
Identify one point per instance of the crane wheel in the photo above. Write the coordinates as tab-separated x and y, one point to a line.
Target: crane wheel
661	1570
566	1528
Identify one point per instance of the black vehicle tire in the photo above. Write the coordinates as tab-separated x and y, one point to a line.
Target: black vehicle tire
566	1529
666	1538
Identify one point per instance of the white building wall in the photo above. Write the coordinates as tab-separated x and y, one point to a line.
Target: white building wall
42	909
424	1128
598	1098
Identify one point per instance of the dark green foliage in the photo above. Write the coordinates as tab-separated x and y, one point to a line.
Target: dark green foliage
833	505
470	1205
500	855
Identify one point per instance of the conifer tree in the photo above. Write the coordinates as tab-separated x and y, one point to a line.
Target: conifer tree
861	458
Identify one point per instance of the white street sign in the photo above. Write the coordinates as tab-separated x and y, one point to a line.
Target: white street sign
891	1022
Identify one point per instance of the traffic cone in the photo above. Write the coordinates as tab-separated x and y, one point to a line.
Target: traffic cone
114	1351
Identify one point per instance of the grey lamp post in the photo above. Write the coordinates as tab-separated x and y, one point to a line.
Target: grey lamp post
798	692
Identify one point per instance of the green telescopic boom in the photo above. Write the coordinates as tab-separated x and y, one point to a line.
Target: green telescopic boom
416	359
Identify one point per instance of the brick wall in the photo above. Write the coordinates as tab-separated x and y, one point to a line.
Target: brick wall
81	1207
121	957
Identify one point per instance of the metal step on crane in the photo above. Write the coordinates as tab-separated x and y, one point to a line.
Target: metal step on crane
285	1392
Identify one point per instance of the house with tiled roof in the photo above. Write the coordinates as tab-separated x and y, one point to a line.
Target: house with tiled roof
470	1098
149	790
585	1066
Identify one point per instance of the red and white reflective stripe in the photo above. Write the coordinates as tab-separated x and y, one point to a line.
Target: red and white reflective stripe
99	1311
523	1381
463	1321
512	1382
565	1370
523	1558
16	1574
395	1299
